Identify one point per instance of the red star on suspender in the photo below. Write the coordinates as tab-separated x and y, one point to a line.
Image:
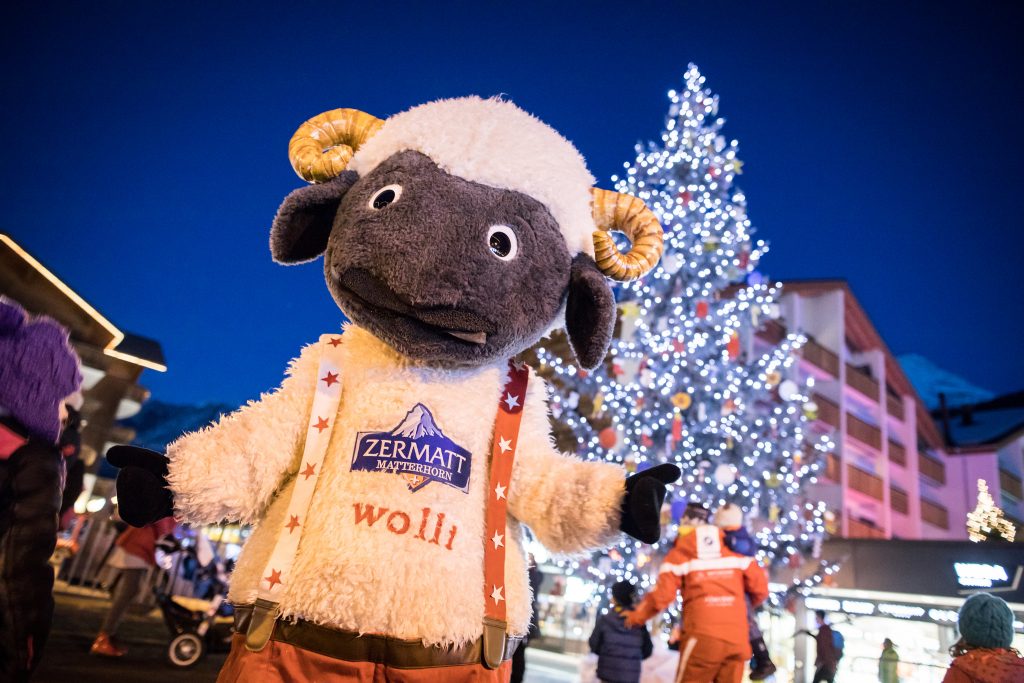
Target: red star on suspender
334	341
331	378
310	470
292	523
274	578
321	424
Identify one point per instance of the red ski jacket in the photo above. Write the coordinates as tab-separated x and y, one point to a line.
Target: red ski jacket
712	580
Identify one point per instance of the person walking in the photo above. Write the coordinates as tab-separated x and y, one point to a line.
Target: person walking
620	649
713	580
38	372
984	653
828	644
888	663
134	554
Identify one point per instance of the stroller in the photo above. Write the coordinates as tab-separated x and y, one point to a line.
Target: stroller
196	626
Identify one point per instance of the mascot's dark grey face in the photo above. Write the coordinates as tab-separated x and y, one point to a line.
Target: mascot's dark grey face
444	270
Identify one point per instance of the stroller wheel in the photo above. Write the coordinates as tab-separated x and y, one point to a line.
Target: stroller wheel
186	650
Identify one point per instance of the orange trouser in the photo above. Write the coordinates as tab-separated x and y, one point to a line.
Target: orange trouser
284	663
703	659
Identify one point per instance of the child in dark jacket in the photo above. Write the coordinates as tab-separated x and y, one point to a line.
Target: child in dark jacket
729	518
619	648
38	372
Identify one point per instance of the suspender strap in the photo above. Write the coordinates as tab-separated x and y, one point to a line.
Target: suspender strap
503	450
276	574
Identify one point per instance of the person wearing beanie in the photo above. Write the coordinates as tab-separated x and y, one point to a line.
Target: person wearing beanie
984	653
619	648
729	518
38	372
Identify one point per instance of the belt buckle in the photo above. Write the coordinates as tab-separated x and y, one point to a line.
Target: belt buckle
493	642
261	624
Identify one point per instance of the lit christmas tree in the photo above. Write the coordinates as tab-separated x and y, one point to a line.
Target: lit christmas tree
689	379
986	521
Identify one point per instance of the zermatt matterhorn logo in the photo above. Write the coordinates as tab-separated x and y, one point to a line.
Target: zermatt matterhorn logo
417	450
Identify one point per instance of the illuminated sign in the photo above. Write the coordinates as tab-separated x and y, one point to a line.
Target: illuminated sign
990	576
901	611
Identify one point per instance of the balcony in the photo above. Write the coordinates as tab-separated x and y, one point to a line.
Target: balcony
828	412
1011	485
865	482
899	499
832	467
894	406
820	357
864	432
934	514
897	453
931	468
862	382
863	529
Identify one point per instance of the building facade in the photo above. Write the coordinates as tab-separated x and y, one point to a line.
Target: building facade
894	472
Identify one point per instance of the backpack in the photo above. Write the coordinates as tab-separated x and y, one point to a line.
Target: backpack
838	643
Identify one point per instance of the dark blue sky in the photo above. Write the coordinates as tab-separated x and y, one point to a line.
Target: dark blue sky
145	149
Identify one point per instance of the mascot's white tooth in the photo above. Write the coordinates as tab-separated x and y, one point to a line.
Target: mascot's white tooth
374	423
475	337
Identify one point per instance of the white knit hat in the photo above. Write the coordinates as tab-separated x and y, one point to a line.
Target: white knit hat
729	516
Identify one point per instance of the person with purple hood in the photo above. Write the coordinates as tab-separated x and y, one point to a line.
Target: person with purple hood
38	372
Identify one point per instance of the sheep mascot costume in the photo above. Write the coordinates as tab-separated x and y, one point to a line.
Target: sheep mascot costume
390	475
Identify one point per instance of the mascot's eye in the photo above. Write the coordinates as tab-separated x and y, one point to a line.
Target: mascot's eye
388	194
502	242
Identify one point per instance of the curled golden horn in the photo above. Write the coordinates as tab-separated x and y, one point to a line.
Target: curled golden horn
322	147
625	213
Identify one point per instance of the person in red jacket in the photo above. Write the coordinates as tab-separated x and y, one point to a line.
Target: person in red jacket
134	554
713	582
984	653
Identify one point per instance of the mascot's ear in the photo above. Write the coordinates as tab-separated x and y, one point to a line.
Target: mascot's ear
589	312
304	221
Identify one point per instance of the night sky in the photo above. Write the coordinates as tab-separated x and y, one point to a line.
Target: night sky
145	150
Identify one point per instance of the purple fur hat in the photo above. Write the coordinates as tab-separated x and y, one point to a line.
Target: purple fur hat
38	370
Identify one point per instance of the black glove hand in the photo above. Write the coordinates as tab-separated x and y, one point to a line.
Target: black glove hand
641	506
142	493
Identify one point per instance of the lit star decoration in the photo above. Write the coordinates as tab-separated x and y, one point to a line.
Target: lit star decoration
331	378
687	380
986	521
321	424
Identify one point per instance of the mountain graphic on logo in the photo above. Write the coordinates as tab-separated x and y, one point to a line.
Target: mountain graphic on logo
417	423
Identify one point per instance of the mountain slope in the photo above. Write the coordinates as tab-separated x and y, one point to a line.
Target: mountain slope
930	380
160	423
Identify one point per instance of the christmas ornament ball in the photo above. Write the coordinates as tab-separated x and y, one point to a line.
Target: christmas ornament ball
788	390
725	475
607	437
682	400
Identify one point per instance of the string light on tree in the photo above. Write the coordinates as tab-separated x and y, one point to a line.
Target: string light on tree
986	521
689	379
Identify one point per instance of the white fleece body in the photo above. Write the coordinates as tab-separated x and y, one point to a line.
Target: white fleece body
375	556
